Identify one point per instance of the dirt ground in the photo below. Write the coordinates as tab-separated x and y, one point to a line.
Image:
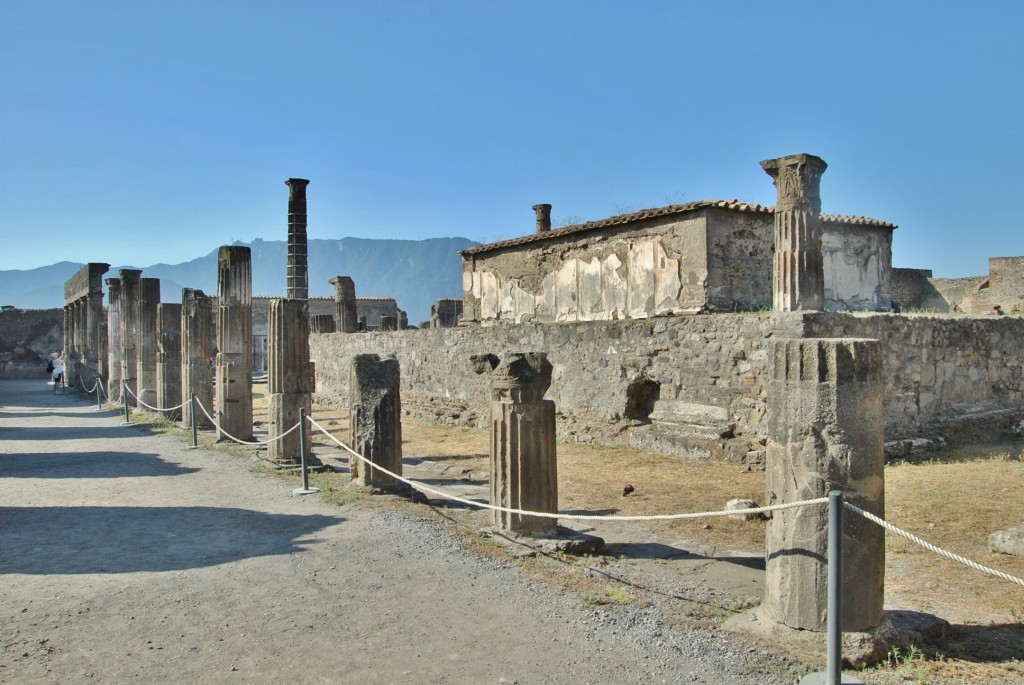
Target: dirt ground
127	557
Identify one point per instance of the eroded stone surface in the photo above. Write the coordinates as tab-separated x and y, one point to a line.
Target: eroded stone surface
1009	541
234	342
375	420
825	433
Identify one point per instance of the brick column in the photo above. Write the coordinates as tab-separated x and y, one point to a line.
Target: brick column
825	426
298	263
798	277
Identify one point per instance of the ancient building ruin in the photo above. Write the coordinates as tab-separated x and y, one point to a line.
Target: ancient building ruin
1000	292
712	255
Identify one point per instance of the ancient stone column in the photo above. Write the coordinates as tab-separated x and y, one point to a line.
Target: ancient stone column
361	323
321	323
95	345
524	470
68	343
114	344
543	213
129	330
148	329
825	433
375	419
168	361
389	323
298	264
196	353
288	378
798	277
234	342
345	304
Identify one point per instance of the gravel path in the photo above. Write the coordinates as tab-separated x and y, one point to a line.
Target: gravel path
127	557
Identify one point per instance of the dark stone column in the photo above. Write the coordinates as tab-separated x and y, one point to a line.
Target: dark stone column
288	380
345	304
524	469
95	345
798	276
234	342
375	419
168	365
114	343
825	426
148	328
197	351
298	264
129	330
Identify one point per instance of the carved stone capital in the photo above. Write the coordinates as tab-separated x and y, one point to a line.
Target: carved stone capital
797	180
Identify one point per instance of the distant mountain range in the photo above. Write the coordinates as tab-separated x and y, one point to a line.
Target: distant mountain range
414	272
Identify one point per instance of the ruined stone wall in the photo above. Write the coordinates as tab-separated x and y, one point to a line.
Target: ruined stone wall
1006	283
910	287
705	259
977	295
27	338
655	266
958	377
739	260
718	360
858	267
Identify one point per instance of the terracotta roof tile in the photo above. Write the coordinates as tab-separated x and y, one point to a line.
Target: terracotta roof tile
621	219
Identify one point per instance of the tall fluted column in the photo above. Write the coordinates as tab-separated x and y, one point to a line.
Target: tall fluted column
129	330
148	329
114	344
289	378
825	433
345	304
298	264
524	469
196	353
168	362
234	342
798	277
95	345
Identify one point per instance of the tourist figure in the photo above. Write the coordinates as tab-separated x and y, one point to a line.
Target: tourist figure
58	373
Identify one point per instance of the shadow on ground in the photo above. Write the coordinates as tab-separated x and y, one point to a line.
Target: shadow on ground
72	540
88	465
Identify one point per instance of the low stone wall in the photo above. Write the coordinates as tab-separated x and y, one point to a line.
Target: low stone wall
27	338
960	378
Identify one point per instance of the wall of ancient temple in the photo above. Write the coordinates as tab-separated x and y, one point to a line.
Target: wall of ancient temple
704	256
27	338
957	377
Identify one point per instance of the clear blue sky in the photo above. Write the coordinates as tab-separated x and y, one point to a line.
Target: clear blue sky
143	132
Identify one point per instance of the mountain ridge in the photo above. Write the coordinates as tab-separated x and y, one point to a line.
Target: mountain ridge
414	272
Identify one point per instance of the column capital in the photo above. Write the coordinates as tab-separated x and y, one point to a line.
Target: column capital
797	180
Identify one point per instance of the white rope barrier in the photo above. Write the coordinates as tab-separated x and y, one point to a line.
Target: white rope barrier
571	517
149	406
239	441
932	548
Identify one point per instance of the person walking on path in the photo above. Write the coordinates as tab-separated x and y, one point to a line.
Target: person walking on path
58	373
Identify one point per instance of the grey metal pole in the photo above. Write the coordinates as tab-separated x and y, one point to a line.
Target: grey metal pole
124	398
195	430
99	400
302	447
834	666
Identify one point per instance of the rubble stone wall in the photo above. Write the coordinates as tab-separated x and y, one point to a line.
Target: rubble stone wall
955	377
27	338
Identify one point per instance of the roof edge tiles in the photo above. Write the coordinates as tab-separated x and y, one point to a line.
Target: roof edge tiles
621	219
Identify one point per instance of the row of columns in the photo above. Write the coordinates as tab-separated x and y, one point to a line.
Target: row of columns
84	325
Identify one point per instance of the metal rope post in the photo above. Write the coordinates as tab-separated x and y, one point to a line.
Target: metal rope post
124	399
833	674
305	489
195	429
99	399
